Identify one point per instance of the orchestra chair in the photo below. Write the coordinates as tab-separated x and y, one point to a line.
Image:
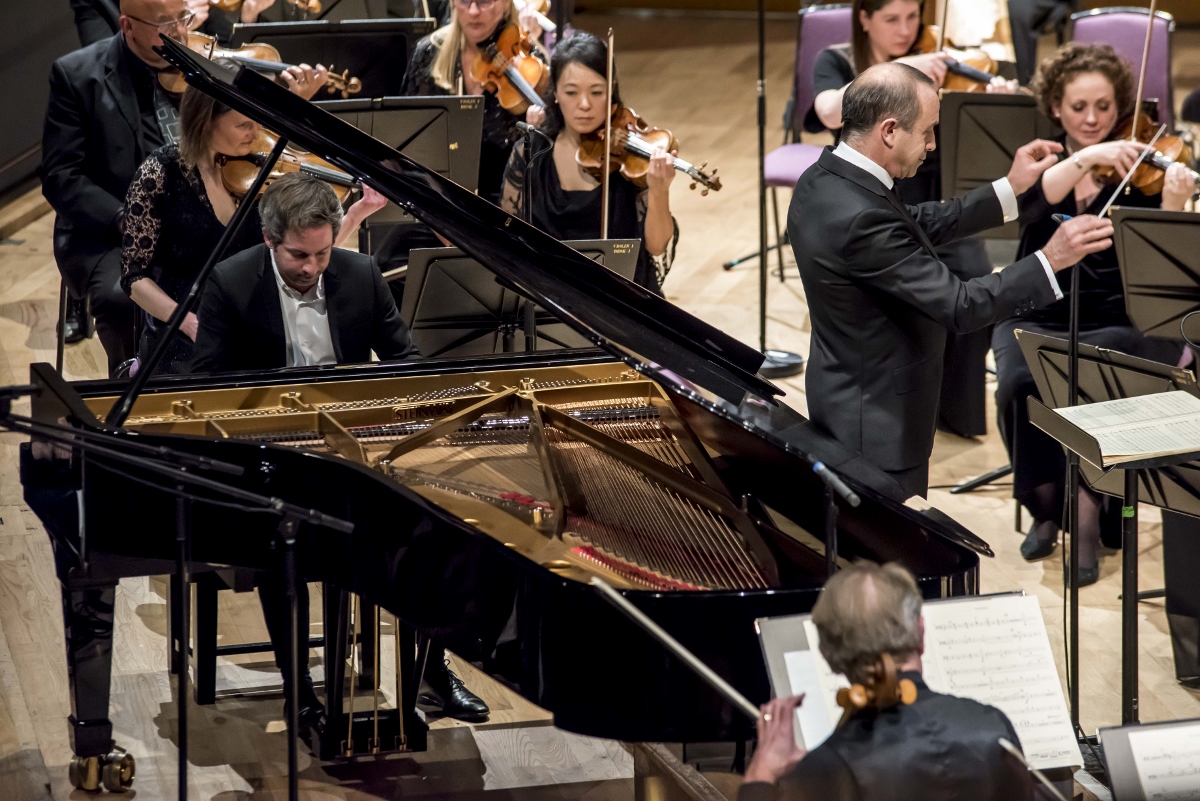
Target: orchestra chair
819	27
1125	29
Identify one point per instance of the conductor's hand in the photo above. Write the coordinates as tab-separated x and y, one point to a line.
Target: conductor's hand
777	752
304	80
1076	238
1030	162
190	326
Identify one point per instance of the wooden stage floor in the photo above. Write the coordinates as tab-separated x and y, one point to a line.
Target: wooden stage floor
695	75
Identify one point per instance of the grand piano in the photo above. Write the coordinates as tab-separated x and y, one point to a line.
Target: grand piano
485	492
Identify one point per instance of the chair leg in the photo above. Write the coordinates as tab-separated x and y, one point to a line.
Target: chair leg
62	325
778	234
206	638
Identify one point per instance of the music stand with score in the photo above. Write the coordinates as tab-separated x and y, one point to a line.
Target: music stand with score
1172	483
454	307
376	51
979	135
1159	256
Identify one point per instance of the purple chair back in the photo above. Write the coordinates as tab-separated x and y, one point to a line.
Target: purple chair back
820	27
1125	30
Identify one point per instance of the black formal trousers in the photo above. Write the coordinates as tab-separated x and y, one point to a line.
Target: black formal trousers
272	595
962	407
882	301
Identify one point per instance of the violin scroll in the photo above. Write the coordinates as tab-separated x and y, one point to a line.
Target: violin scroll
882	690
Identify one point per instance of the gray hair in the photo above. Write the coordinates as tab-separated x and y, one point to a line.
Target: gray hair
298	202
867	610
884	91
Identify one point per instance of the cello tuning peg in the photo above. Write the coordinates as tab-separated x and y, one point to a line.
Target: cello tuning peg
703	192
692	185
705	164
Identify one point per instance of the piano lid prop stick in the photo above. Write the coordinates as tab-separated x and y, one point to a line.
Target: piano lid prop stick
674	646
1016	752
1125	181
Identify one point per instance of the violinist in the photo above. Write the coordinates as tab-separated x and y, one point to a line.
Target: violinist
107	111
1086	90
937	746
891	30
442	64
563	198
177	210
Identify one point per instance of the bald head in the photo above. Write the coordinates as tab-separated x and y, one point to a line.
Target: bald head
881	92
867	610
140	20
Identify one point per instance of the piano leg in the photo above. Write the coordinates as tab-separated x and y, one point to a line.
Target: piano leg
88	624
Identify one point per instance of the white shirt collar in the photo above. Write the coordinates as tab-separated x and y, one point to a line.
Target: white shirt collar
847	153
314	294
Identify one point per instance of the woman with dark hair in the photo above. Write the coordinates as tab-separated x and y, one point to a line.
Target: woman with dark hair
1086	90
176	210
561	197
891	30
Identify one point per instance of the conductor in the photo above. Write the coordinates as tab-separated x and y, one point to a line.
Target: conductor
881	301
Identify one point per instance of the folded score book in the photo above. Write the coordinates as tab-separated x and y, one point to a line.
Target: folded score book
1140	428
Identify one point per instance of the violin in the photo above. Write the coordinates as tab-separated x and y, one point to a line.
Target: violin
507	68
238	172
882	690
634	142
1150	175
255	55
969	71
305	7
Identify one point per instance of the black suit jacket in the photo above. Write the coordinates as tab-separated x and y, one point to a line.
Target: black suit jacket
241	319
939	748
92	145
880	303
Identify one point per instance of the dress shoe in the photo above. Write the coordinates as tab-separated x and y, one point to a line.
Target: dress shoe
447	690
1037	544
76	328
312	711
1089	575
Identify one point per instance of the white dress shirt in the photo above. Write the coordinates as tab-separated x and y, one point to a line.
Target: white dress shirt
305	323
1003	189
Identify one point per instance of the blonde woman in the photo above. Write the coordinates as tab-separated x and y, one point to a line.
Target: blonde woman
441	65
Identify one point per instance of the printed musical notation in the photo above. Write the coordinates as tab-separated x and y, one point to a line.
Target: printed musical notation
995	650
1168	762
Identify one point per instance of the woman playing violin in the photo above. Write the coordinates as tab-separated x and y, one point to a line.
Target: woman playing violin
891	30
176	210
564	200
442	65
1086	90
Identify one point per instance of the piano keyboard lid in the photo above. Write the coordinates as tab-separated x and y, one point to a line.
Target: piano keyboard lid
684	354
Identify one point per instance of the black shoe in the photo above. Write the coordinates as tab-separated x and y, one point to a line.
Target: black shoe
1035	547
312	711
447	690
76	328
1089	576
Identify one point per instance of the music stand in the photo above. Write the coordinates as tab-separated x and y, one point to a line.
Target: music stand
980	134
454	307
1159	256
376	51
1171	483
1127	746
441	133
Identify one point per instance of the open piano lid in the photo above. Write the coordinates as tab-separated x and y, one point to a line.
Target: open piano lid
635	325
685	355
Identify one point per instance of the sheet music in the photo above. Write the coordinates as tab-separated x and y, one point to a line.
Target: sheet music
995	651
810	674
1168	762
1161	423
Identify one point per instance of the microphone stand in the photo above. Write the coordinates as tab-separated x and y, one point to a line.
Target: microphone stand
776	363
529	310
181	483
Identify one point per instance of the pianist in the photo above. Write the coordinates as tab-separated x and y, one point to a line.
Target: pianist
295	300
940	746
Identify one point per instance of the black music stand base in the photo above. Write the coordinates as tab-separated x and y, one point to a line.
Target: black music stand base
781	364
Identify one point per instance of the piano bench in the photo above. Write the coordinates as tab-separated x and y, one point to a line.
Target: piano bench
204	648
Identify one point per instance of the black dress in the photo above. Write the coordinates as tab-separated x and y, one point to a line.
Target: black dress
1036	458
170	230
576	215
962	409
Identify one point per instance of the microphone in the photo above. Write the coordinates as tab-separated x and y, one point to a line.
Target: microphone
832	480
526	128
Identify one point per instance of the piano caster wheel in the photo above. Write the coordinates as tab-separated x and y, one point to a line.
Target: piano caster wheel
118	771
84	773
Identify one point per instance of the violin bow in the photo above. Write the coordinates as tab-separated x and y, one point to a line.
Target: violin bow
604	172
941	42
1137	106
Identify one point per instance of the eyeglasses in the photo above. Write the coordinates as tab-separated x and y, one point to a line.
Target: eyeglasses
183	22
483	5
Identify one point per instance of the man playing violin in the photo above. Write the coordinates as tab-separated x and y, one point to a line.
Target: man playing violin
107	111
891	30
